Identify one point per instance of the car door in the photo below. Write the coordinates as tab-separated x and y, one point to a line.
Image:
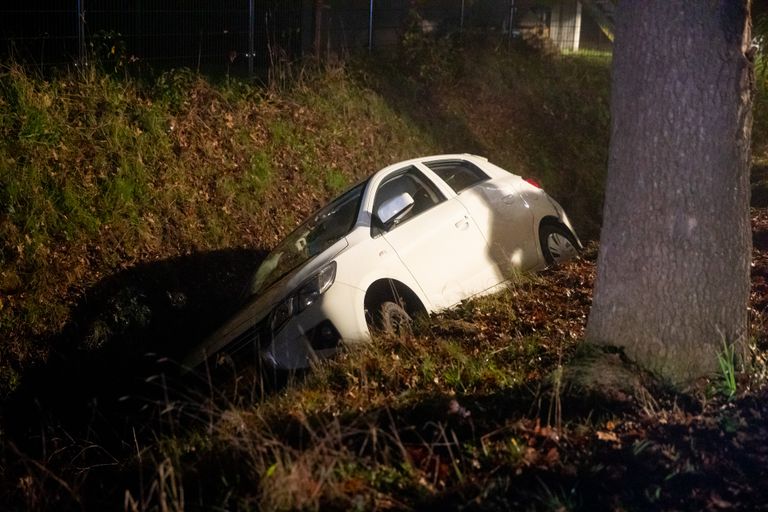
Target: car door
502	214
437	241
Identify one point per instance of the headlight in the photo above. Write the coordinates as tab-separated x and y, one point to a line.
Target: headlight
306	295
316	286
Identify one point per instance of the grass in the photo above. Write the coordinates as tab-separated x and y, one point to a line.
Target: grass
98	174
726	360
378	425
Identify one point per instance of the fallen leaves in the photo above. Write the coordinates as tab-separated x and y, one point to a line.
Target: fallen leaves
607	436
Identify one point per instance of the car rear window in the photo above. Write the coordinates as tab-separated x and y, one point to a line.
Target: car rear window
458	174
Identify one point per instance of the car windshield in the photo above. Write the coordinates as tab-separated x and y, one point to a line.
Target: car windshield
320	231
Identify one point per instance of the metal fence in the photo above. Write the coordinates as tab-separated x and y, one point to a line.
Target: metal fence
350	25
223	36
244	36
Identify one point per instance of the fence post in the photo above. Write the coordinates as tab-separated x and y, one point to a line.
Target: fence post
461	20
370	28
511	20
81	50
251	26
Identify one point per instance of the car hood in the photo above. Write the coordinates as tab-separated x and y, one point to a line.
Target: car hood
259	306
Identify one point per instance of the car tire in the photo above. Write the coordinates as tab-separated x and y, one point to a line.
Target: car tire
558	244
393	319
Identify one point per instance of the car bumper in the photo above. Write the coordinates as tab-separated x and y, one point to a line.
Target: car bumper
337	317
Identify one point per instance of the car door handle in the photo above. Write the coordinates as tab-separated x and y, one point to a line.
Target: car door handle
463	223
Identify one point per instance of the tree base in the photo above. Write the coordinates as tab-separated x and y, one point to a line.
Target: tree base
602	377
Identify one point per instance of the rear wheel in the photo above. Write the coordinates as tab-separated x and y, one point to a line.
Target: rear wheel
557	244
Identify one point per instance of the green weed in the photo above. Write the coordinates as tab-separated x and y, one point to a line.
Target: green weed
259	173
335	181
726	359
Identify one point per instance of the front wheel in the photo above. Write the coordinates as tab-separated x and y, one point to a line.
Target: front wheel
394	319
557	244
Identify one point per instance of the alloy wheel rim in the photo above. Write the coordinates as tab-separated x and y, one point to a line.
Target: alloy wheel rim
560	247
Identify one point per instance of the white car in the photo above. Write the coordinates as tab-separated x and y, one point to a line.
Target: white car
416	237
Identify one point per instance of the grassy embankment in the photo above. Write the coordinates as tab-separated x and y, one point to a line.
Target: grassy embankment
131	210
132	214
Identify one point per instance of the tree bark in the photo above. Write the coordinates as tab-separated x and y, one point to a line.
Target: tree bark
673	266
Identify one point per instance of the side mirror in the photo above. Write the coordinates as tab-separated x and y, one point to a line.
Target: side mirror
394	209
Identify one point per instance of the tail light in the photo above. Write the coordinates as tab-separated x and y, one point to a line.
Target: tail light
534	182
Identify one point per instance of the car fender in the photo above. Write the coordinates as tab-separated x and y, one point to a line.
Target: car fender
370	260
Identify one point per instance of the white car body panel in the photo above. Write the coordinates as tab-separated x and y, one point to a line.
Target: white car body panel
467	244
445	249
506	222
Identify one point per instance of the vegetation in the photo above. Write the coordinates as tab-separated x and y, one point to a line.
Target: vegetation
133	212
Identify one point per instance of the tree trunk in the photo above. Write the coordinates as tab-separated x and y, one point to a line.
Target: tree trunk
673	267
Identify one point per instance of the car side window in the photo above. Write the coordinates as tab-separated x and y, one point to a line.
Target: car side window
424	193
458	174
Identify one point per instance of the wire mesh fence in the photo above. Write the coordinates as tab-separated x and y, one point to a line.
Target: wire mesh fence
245	36
223	36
